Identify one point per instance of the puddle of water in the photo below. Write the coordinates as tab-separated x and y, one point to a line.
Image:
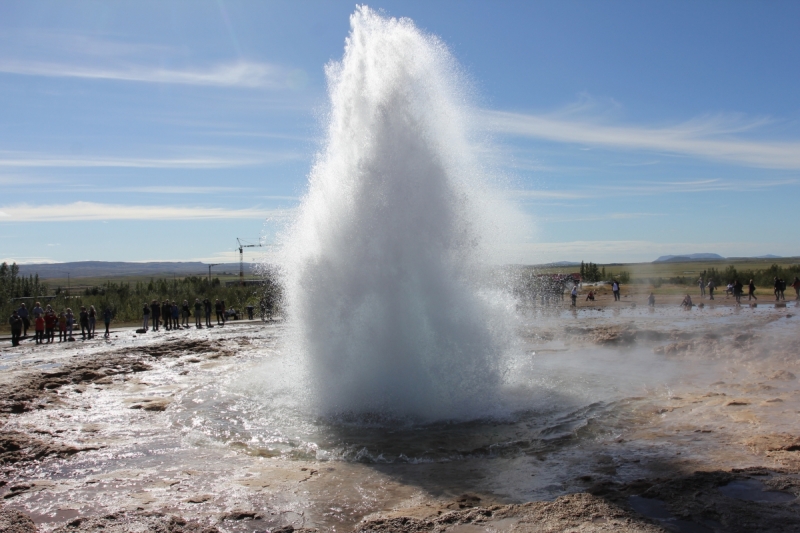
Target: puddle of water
650	507
752	490
656	509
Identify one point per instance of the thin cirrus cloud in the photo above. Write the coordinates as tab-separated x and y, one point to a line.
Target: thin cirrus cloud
709	138
21	160
245	74
653	188
78	211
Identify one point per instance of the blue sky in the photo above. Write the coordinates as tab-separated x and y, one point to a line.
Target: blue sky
134	131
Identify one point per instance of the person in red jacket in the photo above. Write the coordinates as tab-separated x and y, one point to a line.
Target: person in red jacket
39	321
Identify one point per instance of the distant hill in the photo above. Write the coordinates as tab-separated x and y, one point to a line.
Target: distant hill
560	264
707	257
687	257
93	269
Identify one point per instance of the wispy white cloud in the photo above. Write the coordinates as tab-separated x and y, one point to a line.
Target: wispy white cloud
176	189
603	216
533	194
98	211
247	74
717	138
650	188
27	159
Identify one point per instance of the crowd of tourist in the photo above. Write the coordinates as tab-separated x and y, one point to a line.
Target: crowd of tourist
46	322
173	316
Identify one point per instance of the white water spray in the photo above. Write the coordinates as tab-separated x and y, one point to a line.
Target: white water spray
390	235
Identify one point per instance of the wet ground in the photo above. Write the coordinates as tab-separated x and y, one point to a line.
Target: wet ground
612	419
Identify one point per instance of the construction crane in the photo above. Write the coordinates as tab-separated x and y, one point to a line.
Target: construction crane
209	270
241	256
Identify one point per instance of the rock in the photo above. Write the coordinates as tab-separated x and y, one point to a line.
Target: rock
151	404
737	402
239	514
783	375
122	522
28	394
12	521
16	447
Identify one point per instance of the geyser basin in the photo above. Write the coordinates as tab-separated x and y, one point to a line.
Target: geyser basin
382	261
579	415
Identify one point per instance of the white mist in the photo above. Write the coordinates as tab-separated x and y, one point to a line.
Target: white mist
381	261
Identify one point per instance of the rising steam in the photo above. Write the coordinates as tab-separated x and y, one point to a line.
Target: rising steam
381	261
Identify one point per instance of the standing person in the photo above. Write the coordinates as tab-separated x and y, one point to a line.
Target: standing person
207	306
166	313
107	315
702	284
26	319
751	291
796	287
218	309
574	295
92	321
711	286
176	315
224	314
615	290
15	321
155	312
651	300
250	311
62	327
738	288
145	316
186	313
50	323
70	324
39	325
83	319
782	289
198	313
37	309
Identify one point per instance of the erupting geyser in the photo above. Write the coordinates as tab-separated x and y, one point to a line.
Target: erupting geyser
388	241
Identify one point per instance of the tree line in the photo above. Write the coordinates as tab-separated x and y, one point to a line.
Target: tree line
126	299
763	278
591	273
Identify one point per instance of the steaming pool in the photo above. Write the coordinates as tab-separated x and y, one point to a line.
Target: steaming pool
234	433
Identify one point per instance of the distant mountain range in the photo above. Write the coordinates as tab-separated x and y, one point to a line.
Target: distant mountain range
704	257
560	264
687	257
91	269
